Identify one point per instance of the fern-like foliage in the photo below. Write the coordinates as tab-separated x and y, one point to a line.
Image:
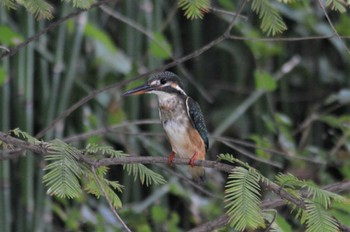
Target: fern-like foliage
146	175
317	218
317	202
39	8
231	159
271	21
22	134
104	150
63	171
92	186
84	4
194	8
9	3
313	192
337	5
242	198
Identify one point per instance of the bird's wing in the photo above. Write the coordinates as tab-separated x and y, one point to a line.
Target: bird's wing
197	119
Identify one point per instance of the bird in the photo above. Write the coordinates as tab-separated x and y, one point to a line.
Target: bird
181	118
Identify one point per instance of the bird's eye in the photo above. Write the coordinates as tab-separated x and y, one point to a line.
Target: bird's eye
163	81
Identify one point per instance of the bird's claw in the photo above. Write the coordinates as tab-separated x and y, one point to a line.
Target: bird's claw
171	158
193	159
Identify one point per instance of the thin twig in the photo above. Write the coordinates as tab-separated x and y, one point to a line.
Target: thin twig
126	228
253	157
150	35
14	50
289	39
94	93
331	25
221	11
269	150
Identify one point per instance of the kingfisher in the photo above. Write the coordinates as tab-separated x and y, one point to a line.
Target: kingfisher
181	118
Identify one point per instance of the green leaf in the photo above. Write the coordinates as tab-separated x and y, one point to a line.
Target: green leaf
147	176
104	150
261	142
85	4
159	47
10	4
242	199
341	212
264	81
227	4
159	214
283	224
318	219
9	37
25	135
337	5
92	186
194	8
271	21
99	35
314	192
63	171
341	122
39	8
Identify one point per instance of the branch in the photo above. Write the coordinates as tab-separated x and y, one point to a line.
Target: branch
176	62
126	228
43	149
14	50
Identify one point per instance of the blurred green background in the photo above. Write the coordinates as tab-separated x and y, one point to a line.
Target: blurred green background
281	106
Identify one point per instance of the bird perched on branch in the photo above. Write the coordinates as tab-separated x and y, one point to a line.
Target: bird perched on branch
181	117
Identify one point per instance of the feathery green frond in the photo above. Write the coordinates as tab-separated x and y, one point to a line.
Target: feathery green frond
9	3
324	197
104	150
194	8
337	5
91	185
39	8
85	4
147	176
317	218
271	21
242	198
288	180
63	172
229	158
19	133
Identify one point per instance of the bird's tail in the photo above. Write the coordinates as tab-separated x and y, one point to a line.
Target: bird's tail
198	174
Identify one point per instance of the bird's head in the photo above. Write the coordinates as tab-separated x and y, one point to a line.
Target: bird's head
163	84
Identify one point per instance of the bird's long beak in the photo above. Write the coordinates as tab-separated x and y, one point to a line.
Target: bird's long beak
138	90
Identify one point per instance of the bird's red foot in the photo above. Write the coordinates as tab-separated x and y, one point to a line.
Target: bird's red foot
194	157
171	158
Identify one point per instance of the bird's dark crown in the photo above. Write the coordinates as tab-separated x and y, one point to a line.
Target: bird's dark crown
160	83
167	82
